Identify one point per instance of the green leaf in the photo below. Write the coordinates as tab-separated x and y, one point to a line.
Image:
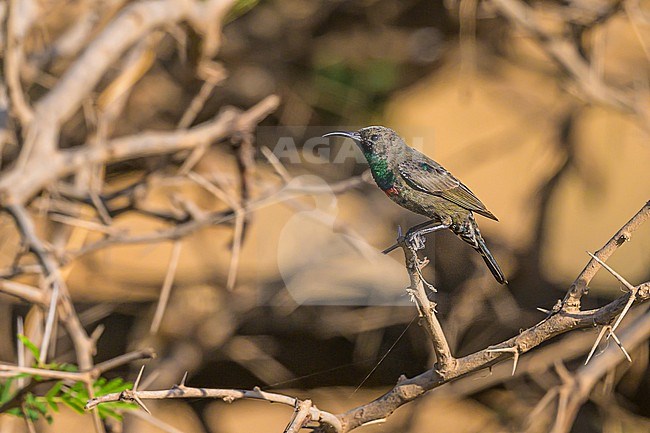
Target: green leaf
15	411
73	404
31	414
30	346
105	412
5	391
113	385
52	394
40	406
71	368
79	388
54	390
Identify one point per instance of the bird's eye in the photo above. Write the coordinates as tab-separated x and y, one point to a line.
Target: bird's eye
374	137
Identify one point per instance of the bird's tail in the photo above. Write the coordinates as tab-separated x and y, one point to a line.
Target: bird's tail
490	261
470	233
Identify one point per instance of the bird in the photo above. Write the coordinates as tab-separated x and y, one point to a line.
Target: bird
421	185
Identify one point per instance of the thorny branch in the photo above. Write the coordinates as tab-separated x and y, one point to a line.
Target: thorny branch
305	410
580	285
448	368
419	289
49	167
560	322
44	165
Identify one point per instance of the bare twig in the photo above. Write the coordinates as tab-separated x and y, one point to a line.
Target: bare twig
300	418
182	391
15	188
83	376
166	288
579	286
239	212
560	322
567	56
20	17
578	389
418	289
83	344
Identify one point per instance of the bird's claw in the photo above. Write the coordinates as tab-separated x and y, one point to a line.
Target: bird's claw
415	241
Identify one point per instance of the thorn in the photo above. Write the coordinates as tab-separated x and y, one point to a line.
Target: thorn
598	340
515	355
137	381
543	310
628	304
613	272
141	404
374	421
620	345
182	384
629	286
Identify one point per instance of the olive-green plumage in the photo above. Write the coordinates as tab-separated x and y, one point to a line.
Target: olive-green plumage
418	183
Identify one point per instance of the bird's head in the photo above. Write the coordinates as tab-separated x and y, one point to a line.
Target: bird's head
378	141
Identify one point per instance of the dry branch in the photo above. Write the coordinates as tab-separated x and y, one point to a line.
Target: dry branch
60	301
427	310
559	322
578	388
182	391
580	285
48	168
566	54
130	36
447	368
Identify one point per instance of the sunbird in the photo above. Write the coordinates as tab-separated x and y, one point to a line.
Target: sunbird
421	185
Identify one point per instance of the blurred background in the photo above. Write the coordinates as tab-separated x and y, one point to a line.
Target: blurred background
314	306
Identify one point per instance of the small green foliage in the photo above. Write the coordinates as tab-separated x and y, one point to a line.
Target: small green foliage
74	395
36	352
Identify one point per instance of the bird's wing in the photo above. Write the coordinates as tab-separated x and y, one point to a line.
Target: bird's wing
431	178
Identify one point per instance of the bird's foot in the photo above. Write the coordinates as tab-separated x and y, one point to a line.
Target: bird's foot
415	241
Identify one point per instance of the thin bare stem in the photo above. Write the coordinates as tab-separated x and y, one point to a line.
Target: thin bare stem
166	288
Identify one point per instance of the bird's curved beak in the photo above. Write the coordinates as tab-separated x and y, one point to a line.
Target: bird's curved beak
352	135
